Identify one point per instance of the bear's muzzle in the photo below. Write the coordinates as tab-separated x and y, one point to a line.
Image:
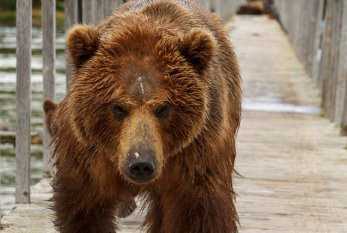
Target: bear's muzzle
141	165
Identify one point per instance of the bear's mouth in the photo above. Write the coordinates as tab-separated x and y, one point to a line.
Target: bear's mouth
141	179
140	175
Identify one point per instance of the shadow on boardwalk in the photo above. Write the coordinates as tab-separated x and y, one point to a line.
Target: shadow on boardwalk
293	162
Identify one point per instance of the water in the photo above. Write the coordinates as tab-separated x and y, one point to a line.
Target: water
8	106
273	106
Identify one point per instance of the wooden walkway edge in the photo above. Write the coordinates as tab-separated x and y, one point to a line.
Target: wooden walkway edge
292	160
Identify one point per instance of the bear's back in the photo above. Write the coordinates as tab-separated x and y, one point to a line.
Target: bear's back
140	4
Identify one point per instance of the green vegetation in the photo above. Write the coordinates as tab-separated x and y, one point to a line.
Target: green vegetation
7	5
59	51
8	18
8	13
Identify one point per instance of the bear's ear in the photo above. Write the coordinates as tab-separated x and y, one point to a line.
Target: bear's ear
50	109
198	47
82	42
49	105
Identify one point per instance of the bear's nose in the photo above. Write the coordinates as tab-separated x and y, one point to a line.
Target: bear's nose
141	164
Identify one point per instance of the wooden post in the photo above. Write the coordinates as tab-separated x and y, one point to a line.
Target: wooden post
48	62
23	105
330	67
110	6
215	6
98	11
325	71
205	4
316	48
341	96
87	11
71	18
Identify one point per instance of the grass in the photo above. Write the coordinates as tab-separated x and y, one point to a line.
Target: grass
8	18
33	51
33	71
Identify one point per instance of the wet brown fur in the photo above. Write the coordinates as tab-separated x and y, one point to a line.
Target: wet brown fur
183	58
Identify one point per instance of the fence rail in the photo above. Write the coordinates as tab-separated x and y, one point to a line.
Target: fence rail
92	12
318	31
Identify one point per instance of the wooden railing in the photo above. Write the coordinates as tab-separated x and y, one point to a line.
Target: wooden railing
92	12
318	31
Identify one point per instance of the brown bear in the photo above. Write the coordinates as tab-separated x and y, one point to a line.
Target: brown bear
152	110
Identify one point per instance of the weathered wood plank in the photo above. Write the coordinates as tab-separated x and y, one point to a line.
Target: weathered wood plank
205	4
48	69
337	16
71	18
316	49
23	104
334	13
341	108
327	59
98	11
324	59
341	80
87	11
225	9
284	173
110	6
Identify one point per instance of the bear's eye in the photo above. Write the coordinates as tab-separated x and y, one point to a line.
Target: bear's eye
119	112
162	111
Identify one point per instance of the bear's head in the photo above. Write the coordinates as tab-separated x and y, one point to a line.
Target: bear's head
139	92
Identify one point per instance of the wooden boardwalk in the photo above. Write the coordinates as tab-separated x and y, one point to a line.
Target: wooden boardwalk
293	162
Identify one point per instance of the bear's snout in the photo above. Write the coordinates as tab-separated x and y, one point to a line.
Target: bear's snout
141	164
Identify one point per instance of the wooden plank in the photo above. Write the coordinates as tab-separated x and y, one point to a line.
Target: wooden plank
23	104
234	6
291	23
110	6
340	82
225	9
311	34
307	31
341	97
87	11
71	18
327	66
302	20
316	46
280	5
215	6
297	26
338	6
98	11
71	13
298	22
205	4
298	19
48	62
